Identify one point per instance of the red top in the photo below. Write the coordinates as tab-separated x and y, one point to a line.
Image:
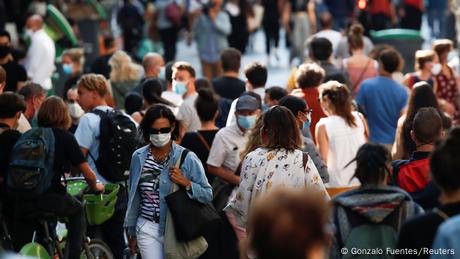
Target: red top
380	6
311	95
447	89
415	175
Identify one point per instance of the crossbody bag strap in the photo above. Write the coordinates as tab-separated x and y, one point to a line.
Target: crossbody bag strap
362	74
206	145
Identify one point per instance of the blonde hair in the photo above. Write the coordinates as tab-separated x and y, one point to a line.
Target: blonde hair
94	82
123	68
53	113
76	55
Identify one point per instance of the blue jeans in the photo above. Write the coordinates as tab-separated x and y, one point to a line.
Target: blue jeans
435	22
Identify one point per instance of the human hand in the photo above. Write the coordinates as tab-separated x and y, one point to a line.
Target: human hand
132	244
99	187
177	177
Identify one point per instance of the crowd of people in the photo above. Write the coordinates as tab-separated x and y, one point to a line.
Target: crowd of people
349	155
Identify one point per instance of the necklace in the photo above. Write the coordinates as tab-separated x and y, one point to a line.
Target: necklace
160	157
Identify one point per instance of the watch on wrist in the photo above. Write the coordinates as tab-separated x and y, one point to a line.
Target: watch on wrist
188	187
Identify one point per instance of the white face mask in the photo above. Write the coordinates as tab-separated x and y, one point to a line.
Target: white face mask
436	69
75	110
160	140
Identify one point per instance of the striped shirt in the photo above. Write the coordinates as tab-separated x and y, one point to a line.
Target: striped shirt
149	188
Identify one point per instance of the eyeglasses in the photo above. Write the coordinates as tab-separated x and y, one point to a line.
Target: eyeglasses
158	131
306	112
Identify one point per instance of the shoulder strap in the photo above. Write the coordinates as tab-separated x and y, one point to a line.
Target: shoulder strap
181	158
205	144
361	75
441	213
99	113
304	159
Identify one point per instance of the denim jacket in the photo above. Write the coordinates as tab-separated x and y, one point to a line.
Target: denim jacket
192	170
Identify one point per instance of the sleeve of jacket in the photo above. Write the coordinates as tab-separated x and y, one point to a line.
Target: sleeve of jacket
194	171
222	23
132	212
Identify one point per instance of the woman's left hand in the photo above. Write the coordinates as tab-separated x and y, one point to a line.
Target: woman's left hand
177	177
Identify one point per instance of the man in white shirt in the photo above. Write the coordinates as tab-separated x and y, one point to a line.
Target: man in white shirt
224	156
39	61
327	31
184	84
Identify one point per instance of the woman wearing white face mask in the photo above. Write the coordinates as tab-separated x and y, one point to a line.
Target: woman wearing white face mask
151	177
426	67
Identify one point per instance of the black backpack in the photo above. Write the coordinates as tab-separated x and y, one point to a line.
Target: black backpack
30	171
117	142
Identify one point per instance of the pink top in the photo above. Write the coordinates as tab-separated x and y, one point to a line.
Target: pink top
358	73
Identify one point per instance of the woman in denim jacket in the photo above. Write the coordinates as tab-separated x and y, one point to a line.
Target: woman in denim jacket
152	173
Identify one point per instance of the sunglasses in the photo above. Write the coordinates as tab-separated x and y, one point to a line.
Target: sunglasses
158	131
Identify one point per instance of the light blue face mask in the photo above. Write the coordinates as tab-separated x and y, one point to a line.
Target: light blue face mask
180	88
246	122
162	74
67	69
307	123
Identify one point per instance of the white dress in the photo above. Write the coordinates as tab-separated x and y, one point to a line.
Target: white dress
263	169
344	142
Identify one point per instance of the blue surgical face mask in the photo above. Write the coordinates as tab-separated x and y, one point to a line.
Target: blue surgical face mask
307	123
246	122
67	69
162	74
179	88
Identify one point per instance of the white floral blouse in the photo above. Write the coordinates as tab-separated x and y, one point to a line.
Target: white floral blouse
263	169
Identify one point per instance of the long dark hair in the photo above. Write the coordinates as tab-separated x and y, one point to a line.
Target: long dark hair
422	96
280	129
151	90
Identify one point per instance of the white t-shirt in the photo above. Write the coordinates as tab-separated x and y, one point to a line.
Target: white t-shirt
172	97
344	142
187	114
333	36
227	147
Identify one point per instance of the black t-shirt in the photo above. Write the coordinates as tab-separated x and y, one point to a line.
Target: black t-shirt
421	231
14	73
8	138
69	83
67	153
192	141
229	87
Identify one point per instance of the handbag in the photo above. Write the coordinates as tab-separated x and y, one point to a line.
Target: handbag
174	249
222	191
189	216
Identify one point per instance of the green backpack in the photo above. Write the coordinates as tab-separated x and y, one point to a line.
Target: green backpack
370	241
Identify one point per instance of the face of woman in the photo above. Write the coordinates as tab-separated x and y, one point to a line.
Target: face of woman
69	66
160	132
